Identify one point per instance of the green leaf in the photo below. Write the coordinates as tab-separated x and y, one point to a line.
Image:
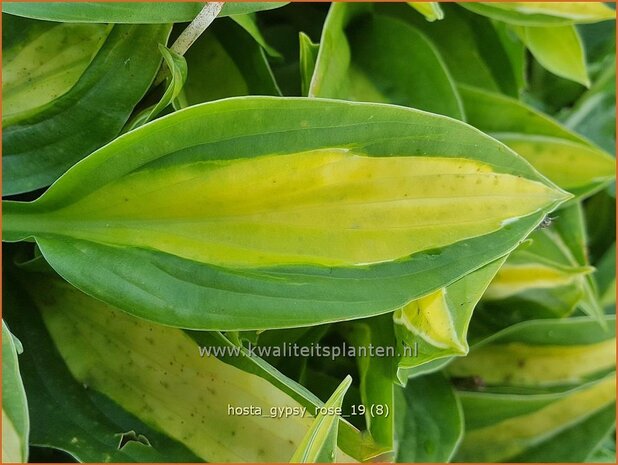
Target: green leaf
547	277
177	74
541	354
430	10
435	327
225	49
564	427
179	392
320	443
15	420
308	57
66	414
253	261
48	380
566	158
127	12
594	114
543	13
350	440
475	51
43	122
377	372
365	57
248	23
558	49
429	420
606	280
282	28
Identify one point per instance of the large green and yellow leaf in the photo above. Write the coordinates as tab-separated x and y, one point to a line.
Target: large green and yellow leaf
564	427
353	212
365	56
59	78
66	414
566	158
126	12
15	420
188	396
86	423
541	354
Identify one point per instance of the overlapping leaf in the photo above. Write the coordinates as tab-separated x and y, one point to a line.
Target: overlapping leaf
559	427
435	327
428	419
15	419
548	277
365	57
66	414
568	159
132	365
297	251
476	51
541	354
320	443
93	76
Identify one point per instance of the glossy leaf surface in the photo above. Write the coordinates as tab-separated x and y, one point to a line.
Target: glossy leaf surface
110	72
217	248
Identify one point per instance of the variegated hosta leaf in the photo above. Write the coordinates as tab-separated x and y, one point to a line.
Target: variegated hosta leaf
320	443
59	78
549	276
558	49
66	414
43	61
430	10
365	56
180	392
518	275
569	160
563	427
127	12
543	13
542	353
352	212
85	423
435	326
15	420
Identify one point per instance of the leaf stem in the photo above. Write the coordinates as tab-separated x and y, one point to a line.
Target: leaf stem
197	27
